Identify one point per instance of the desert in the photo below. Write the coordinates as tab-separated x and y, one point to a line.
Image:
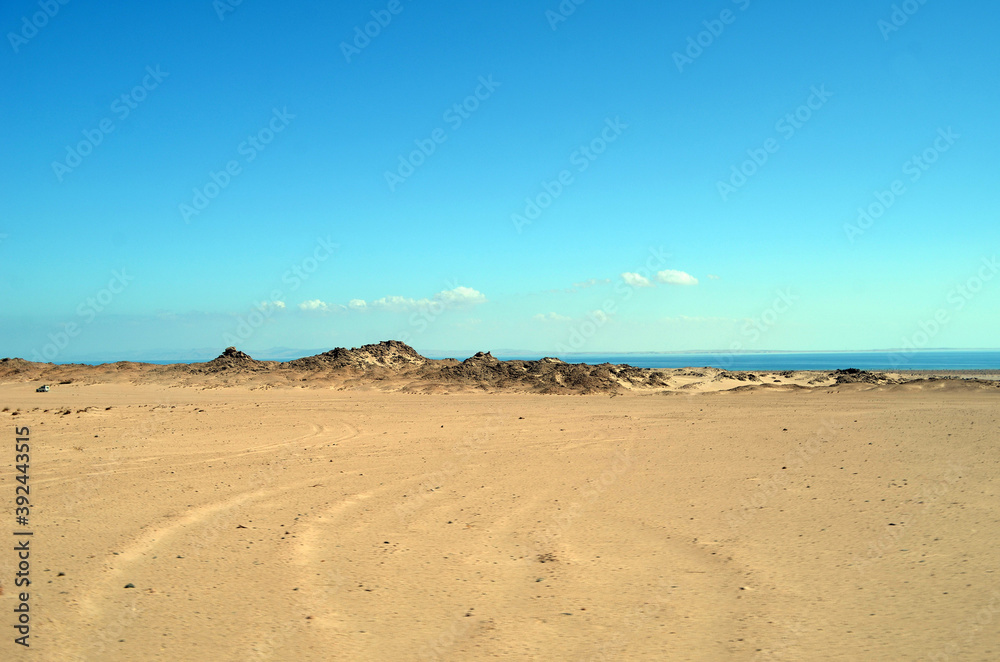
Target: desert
374	504
551	330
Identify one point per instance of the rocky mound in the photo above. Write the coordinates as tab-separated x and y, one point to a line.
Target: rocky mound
231	359
547	375
390	354
855	376
12	367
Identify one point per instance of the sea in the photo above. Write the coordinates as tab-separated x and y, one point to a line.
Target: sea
958	359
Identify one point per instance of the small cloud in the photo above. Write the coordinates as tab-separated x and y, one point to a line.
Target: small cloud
591	282
396	303
314	305
599	316
551	317
674	277
357	304
636	280
713	277
272	305
461	295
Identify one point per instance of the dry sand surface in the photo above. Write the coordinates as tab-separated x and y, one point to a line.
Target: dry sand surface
852	522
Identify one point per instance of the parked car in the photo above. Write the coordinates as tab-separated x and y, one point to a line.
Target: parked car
44	388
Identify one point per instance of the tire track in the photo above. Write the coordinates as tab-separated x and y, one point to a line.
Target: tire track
141	464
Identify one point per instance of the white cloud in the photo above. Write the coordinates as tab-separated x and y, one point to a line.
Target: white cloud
357	304
551	317
599	316
674	277
394	303
636	280
315	305
713	277
272	305
461	295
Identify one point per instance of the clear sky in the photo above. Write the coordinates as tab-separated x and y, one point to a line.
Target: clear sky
602	176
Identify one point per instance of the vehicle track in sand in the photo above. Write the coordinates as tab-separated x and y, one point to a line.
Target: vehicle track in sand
148	463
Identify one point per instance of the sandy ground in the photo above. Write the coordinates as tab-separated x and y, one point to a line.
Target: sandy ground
845	523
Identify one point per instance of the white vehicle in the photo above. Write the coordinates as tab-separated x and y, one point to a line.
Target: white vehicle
44	388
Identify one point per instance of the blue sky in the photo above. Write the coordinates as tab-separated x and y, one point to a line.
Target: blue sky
627	176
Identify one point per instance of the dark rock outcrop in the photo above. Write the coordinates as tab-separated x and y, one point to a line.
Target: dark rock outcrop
855	376
389	354
231	359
